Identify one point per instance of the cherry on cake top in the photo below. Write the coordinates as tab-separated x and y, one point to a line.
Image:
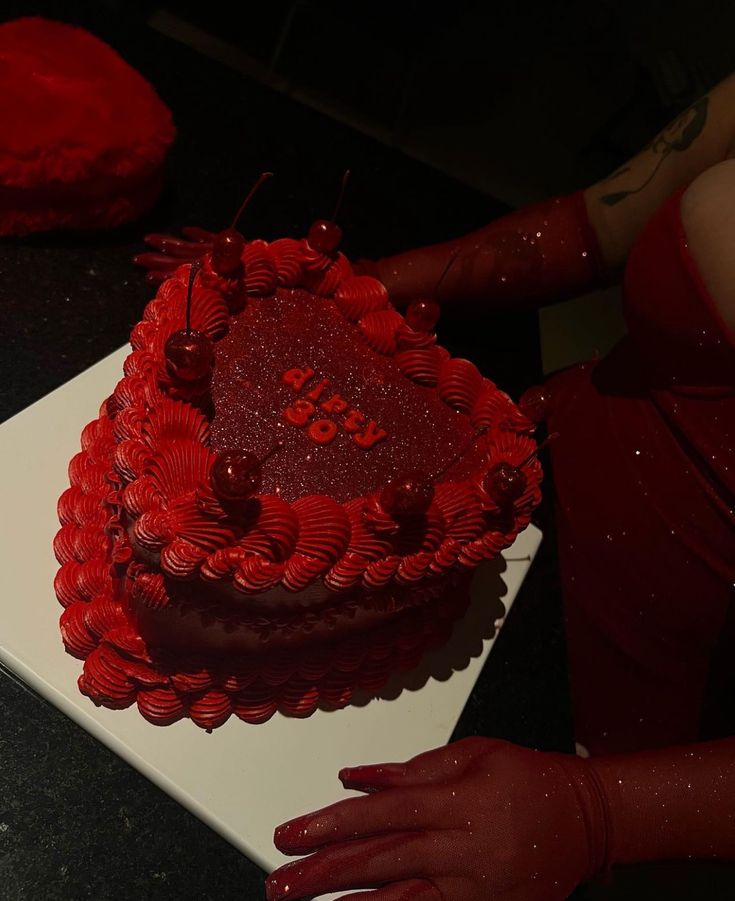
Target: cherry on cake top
188	353
325	235
229	244
423	315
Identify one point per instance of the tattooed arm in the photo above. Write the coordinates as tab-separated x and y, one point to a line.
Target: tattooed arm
701	136
566	246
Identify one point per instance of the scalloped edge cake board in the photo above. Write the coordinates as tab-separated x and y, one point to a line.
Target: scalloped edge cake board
242	779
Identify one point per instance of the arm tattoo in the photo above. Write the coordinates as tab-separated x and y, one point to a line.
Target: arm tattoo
678	136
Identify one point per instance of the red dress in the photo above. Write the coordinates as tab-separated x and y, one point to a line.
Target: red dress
644	468
644	471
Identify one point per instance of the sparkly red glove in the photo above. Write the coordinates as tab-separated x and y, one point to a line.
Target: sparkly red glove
534	256
169	252
484	819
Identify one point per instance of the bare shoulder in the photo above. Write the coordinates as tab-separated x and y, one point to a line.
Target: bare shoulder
708	216
698	139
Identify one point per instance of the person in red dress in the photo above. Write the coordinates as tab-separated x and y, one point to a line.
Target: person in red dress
644	473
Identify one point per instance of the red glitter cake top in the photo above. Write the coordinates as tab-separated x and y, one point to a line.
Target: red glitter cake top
293	370
315	358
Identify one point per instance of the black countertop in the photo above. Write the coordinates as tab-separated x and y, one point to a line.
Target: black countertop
75	821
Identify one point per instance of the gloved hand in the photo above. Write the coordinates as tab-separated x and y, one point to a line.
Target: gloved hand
533	256
476	820
169	252
483	819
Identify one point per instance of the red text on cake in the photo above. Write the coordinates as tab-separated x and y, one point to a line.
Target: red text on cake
308	412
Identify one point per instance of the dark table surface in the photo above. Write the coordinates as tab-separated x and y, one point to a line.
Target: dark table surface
75	821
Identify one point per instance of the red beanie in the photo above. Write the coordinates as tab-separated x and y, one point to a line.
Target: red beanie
84	135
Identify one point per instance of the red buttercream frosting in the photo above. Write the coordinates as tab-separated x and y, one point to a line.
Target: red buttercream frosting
194	605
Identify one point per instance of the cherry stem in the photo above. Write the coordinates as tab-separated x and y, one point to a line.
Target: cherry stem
193	272
458	456
450	262
279	445
545	443
345	179
264	176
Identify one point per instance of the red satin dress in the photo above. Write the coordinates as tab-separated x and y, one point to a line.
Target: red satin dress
644	471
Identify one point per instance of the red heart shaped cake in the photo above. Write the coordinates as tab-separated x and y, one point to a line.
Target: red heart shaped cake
285	496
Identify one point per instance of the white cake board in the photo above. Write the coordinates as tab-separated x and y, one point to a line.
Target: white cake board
241	779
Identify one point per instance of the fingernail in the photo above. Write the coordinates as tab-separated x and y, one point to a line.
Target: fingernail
304	833
271	888
282	882
290	834
371	778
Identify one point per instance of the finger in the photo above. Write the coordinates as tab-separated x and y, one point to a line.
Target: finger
373	777
433	766
354	865
408	890
399	810
155	261
175	247
194	233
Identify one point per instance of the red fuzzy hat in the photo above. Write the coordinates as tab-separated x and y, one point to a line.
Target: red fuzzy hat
83	136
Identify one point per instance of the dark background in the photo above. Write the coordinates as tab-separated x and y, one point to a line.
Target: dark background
518	99
447	115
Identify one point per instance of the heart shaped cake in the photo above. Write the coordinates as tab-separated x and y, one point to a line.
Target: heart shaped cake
285	496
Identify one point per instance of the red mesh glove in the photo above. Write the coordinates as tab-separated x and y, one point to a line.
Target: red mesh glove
484	819
536	255
169	252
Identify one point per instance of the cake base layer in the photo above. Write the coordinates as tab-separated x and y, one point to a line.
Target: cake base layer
193	622
125	663
121	668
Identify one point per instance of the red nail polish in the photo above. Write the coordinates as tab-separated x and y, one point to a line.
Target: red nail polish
289	835
371	778
283	883
271	889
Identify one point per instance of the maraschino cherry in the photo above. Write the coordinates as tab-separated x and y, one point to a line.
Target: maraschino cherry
410	494
325	235
236	475
535	402
227	250
506	482
422	315
229	244
189	354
